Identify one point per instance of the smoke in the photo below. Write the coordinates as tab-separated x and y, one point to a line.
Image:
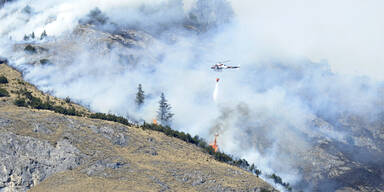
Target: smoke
301	77
215	92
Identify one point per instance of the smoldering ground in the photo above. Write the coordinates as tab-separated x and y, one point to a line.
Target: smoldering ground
272	111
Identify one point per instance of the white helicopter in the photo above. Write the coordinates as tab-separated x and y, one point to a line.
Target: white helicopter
219	66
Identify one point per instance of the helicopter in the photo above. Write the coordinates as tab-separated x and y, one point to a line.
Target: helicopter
219	66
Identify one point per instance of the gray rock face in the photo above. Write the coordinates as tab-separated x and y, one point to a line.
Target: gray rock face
117	138
98	168
25	161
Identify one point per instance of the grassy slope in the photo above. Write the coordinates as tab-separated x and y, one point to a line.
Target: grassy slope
175	165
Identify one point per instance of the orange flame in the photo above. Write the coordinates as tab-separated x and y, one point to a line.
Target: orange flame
155	121
214	144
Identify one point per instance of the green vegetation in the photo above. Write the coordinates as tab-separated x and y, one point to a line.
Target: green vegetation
67	100
36	103
139	96
265	190
3	80
44	61
110	117
30	49
26	37
43	35
20	102
3	93
278	180
164	114
254	170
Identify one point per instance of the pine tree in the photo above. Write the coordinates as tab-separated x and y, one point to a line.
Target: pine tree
252	168
140	96
33	35
164	114
43	35
26	38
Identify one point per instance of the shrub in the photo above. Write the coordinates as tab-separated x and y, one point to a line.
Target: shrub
71	111
37	103
3	93
110	117
44	61
278	180
67	100
3	80
20	102
30	49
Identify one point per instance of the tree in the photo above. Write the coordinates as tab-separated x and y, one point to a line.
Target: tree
43	35
164	114
26	38
67	100
140	96
3	80
255	170
33	35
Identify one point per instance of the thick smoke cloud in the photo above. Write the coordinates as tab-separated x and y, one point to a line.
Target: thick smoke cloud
345	33
270	112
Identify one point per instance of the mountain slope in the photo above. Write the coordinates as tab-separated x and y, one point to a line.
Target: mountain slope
40	149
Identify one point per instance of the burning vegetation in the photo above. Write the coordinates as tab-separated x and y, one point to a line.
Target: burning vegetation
214	144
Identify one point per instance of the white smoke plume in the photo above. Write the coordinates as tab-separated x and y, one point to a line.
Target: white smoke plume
215	92
300	72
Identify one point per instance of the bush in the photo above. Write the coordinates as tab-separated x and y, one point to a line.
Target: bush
278	180
71	111
3	93
67	100
3	80
37	103
44	61
110	117
20	102
30	49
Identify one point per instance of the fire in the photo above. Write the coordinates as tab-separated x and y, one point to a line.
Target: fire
155	121
214	144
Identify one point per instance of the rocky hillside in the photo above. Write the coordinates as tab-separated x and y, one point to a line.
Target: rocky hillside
40	149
